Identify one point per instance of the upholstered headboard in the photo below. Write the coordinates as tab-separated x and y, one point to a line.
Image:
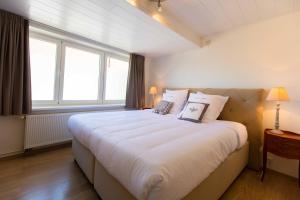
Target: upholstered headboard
244	106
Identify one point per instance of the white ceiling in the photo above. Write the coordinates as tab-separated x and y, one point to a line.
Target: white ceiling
112	22
121	25
207	17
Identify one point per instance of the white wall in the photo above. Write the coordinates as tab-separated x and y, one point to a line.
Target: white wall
261	55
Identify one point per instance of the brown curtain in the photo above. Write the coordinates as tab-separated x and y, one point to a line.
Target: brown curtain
15	83
135	95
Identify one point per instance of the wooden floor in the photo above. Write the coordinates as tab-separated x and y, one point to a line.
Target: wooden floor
53	176
46	176
276	186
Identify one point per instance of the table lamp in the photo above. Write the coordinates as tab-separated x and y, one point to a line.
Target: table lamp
277	94
153	92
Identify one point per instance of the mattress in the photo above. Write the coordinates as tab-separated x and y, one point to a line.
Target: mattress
155	156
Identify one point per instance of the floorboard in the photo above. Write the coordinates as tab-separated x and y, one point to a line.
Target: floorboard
275	186
49	175
54	175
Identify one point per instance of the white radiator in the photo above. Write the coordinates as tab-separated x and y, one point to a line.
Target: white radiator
46	129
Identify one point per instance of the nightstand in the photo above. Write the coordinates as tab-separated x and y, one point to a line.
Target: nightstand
286	145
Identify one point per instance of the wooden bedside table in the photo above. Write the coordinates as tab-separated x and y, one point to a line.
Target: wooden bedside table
286	145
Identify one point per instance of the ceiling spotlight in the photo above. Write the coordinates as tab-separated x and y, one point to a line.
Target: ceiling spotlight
159	6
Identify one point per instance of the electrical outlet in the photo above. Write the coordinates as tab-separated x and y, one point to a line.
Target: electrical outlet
269	160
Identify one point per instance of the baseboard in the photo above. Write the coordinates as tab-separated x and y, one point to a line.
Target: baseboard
11	155
33	151
47	148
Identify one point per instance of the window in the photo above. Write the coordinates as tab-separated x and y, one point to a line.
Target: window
65	73
43	69
116	78
81	75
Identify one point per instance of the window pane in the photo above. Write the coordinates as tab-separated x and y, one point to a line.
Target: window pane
43	64
116	79
81	75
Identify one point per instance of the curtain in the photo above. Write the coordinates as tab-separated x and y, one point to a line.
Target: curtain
15	83
135	95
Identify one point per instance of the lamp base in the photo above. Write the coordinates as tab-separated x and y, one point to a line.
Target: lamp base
276	131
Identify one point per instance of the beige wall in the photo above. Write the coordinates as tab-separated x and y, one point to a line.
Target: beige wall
260	55
11	135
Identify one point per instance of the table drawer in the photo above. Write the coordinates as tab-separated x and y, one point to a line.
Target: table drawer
284	147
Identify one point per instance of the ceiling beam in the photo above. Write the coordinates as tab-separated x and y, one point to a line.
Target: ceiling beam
168	20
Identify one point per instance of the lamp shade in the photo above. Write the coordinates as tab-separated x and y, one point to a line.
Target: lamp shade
278	94
153	90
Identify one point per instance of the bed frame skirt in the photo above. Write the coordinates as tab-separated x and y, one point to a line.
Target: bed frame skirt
85	159
211	188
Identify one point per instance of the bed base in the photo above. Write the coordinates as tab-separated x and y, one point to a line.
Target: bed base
211	188
85	159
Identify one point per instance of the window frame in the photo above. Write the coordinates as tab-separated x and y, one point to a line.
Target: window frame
61	87
50	39
62	43
109	55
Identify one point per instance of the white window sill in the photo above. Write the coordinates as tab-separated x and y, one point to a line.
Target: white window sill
75	108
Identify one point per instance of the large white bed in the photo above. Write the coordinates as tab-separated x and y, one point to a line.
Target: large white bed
151	156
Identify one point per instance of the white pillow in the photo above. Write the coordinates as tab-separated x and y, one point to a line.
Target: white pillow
178	97
193	97
216	105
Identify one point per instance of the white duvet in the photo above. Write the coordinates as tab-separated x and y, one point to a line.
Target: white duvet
157	156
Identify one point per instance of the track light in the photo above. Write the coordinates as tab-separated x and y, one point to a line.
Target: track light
159	5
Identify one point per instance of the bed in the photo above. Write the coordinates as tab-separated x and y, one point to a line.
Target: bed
119	171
